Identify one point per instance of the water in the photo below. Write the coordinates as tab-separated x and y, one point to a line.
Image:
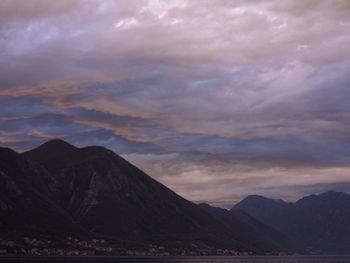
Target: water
294	259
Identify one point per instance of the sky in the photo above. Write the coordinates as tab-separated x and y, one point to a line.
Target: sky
216	99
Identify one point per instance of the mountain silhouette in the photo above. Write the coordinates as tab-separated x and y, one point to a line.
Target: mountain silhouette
27	203
58	189
320	223
250	230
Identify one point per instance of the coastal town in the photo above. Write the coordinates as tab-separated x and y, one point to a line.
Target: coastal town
73	246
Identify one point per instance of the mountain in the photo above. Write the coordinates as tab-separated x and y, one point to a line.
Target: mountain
319	222
50	151
250	230
58	189
109	197
26	200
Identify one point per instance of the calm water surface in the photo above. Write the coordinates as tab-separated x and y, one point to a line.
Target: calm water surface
295	259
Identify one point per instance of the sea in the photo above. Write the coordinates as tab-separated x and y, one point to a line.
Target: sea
204	259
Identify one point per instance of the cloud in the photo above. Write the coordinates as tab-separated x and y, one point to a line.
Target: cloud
19	11
203	95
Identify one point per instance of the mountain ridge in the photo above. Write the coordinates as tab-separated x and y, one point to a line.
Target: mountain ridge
238	219
103	195
320	222
58	189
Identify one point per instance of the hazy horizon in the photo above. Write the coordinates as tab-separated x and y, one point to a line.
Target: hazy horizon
215	99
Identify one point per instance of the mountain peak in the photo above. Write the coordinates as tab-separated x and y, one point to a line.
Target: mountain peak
57	143
256	198
5	150
258	201
260	198
319	222
50	150
7	155
326	196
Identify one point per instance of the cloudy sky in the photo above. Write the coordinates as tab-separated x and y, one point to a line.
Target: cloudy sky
216	99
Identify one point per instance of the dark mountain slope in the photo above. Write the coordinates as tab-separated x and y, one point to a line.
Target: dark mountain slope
26	203
319	222
110	197
251	231
58	190
278	213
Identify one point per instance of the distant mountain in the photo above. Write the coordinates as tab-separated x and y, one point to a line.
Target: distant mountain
250	230
319	222
58	189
